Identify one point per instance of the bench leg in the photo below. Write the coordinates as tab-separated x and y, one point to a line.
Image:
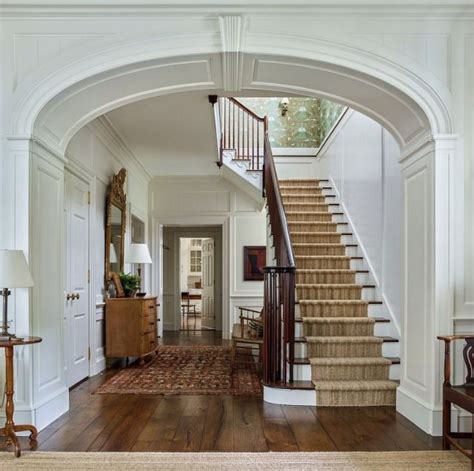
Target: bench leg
446	424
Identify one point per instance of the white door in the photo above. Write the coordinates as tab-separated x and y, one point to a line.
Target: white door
76	296
207	267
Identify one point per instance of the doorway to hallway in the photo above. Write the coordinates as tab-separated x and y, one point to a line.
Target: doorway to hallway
192	284
197	283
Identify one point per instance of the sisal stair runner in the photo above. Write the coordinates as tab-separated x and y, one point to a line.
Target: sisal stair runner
347	367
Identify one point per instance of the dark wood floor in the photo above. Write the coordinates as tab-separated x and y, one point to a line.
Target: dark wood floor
220	423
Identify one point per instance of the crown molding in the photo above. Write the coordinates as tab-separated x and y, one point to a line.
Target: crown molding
103	126
460	10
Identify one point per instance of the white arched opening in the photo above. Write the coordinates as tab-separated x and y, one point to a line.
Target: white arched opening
53	106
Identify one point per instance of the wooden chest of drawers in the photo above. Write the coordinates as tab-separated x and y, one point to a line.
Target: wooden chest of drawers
131	327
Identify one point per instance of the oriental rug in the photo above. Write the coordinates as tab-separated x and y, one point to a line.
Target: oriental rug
186	370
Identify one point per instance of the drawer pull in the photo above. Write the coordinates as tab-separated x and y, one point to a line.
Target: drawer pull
151	323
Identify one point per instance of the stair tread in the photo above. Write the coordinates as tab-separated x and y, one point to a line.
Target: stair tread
350	361
358	385
337	301
335	285
307	361
339	320
377	319
362	339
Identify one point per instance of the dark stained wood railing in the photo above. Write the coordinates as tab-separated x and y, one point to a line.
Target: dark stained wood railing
242	131
279	286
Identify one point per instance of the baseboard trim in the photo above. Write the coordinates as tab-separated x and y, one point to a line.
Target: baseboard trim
44	413
98	366
421	414
289	397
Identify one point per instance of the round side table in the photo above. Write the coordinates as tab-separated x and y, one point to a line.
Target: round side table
10	429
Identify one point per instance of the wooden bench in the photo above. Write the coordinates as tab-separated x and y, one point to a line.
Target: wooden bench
248	334
461	395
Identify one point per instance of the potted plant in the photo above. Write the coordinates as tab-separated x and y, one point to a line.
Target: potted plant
131	284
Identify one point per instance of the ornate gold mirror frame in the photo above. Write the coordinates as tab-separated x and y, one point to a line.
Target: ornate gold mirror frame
115	219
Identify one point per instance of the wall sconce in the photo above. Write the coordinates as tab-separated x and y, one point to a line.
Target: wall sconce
284	105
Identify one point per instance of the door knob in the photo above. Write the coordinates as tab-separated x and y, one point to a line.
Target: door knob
69	296
76	295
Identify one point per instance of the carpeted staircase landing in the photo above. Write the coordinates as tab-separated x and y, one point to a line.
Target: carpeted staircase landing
346	358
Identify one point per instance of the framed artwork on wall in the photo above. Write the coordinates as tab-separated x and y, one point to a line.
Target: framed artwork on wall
255	258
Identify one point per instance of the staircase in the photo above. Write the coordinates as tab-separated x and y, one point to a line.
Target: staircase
338	342
326	339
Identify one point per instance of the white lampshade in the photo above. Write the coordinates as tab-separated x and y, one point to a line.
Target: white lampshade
138	253
14	271
113	254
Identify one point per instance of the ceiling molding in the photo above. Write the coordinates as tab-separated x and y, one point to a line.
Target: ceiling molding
233	29
444	9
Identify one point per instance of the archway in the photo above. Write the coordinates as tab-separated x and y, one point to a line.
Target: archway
53	109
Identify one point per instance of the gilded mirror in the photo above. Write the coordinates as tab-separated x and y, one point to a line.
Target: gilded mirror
115	226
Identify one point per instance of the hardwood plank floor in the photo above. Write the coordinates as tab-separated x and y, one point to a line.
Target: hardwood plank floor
220	423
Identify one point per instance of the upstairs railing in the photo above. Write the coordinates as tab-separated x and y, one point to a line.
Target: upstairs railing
279	286
242	131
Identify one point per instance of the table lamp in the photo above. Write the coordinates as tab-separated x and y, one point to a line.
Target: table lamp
138	253
14	273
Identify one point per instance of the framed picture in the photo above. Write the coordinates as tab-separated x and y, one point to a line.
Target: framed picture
255	258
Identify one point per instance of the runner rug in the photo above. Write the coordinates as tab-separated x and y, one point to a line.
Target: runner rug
186	370
328	461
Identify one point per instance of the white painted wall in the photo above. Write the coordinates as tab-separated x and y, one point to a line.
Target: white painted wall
206	201
362	161
95	154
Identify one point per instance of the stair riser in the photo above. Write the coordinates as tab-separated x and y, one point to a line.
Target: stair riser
315	226
321	238
319	250
325	278
311	182
294	191
302	198
311	238
308	206
323	263
304	373
326	310
344	350
389	350
329	293
355	398
349	372
367	294
381	329
338	330
310	217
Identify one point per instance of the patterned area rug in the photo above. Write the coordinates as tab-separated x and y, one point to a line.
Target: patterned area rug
186	370
329	461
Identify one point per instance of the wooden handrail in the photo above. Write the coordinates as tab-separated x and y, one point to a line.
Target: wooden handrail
279	286
247	110
275	187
